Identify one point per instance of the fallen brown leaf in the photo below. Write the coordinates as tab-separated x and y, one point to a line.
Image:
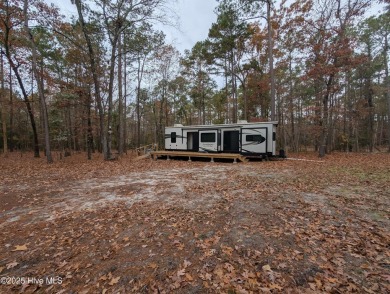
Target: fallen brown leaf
11	264
266	267
20	248
114	281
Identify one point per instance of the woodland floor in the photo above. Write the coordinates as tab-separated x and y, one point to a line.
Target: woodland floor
292	226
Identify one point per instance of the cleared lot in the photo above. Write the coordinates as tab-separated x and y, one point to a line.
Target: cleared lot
195	227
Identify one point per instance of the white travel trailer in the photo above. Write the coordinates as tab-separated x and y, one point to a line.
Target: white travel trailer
249	139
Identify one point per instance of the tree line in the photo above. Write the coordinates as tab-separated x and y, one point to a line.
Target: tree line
107	80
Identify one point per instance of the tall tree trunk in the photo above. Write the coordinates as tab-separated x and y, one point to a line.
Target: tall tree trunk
387	89
11	112
369	96
227	93
271	61
317	114
25	99
110	95
346	120
89	124
234	87
3	107
325	117
245	94
125	103
15	69
140	72
235	101
39	83
94	70
120	97
161	132
291	104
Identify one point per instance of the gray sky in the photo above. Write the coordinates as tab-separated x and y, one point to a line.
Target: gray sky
195	19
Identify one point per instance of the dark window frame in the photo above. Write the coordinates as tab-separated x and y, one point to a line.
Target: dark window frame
173	137
204	137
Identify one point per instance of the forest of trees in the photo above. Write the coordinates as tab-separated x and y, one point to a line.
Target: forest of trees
109	80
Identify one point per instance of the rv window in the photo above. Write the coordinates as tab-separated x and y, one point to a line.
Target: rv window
207	137
173	137
255	138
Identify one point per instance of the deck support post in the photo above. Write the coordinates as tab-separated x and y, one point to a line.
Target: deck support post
189	158
212	159
235	160
168	157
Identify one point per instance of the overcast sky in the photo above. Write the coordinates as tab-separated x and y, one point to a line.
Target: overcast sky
195	19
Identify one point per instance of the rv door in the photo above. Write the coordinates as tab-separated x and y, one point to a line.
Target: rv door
209	141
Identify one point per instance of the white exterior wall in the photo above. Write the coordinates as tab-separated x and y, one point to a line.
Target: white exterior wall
255	146
181	140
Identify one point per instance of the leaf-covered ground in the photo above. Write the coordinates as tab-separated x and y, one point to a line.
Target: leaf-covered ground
292	226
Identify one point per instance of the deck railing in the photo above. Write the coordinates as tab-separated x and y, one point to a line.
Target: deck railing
146	149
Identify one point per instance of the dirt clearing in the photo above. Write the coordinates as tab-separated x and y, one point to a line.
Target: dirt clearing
292	226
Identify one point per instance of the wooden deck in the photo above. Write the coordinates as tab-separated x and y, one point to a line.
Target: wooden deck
234	156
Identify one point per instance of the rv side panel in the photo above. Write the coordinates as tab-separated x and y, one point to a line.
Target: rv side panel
254	140
175	139
209	140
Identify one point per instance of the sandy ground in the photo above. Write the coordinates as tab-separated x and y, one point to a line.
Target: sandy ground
293	226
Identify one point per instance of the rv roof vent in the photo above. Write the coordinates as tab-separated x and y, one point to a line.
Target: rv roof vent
177	125
242	121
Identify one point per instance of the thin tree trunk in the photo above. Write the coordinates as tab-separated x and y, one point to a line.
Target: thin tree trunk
244	93
125	104
370	104
11	112
234	88
3	108
25	99
291	104
94	70
120	97
345	111
227	93
387	89
110	96
89	123
39	83
140	72
161	119
380	138
325	121
14	68
235	101
317	114
271	61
